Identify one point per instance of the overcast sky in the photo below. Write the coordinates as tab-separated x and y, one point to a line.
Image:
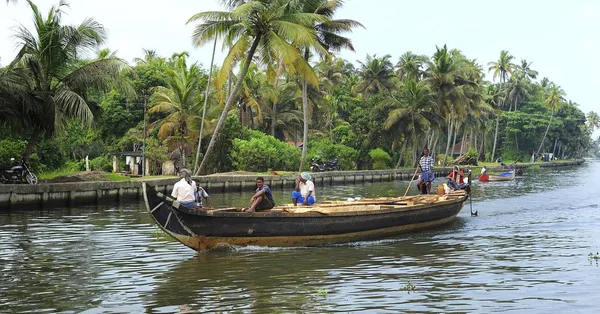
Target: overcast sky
561	38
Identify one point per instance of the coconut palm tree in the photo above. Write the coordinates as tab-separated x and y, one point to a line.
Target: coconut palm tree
328	32
526	71
517	90
502	69
553	101
181	104
414	114
593	121
266	27
377	75
411	66
48	63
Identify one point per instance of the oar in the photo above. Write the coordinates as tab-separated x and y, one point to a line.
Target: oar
411	180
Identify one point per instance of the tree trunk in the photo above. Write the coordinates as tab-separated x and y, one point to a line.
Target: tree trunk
33	140
401	153
305	129
554	148
517	141
233	94
199	150
450	126
305	114
454	142
546	133
495	138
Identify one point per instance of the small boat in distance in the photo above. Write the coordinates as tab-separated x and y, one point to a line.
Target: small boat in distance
503	176
288	225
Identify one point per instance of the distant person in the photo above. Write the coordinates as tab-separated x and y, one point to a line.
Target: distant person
202	197
262	198
304	191
184	189
427	175
456	179
532	159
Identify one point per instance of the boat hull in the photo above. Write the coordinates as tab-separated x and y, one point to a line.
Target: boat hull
201	230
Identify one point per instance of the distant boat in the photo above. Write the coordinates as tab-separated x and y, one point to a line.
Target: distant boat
288	225
503	176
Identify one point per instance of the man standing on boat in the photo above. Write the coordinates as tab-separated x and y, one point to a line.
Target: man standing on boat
427	176
304	191
262	198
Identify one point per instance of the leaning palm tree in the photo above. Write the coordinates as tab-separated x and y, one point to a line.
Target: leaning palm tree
502	69
553	101
259	26
48	61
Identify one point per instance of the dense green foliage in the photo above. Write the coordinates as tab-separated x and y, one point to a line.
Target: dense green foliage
376	115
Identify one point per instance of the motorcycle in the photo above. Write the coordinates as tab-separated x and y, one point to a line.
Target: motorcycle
332	165
315	165
17	173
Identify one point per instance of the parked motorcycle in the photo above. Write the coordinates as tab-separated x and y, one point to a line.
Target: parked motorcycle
332	165
17	173
316	165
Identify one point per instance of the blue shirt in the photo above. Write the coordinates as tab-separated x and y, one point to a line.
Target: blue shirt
268	193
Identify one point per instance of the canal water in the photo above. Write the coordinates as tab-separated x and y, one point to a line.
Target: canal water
528	251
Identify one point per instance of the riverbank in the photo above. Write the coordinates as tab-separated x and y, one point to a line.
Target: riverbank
69	194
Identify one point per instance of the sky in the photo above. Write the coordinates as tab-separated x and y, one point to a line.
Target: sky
560	38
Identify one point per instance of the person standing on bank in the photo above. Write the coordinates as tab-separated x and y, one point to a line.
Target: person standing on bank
427	176
262	198
183	190
304	192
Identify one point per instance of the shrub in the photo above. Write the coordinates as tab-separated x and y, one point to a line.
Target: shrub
101	163
11	149
325	150
263	152
380	159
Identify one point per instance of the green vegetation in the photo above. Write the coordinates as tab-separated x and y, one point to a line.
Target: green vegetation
278	89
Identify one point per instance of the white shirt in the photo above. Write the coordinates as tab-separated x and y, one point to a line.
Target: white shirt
183	192
307	187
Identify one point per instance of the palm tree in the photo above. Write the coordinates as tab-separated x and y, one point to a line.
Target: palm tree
268	27
377	75
181	104
517	90
593	121
502	69
329	39
410	66
48	62
526	71
553	101
414	114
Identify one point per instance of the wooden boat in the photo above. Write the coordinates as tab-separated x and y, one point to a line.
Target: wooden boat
503	176
288	225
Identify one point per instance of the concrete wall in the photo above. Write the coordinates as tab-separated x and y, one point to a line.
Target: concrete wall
68	194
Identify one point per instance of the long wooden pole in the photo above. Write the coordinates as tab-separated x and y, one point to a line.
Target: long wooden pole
411	180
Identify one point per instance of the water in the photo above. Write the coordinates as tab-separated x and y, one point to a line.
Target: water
526	252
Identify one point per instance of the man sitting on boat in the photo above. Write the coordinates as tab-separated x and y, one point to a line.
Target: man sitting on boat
304	192
427	176
201	196
183	190
456	179
262	198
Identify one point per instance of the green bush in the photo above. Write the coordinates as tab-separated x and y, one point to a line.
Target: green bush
441	157
342	134
380	159
325	150
11	149
101	163
263	152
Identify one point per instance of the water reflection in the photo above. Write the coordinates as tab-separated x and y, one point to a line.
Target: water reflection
527	252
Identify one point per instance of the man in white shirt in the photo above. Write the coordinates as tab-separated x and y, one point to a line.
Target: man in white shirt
305	190
183	190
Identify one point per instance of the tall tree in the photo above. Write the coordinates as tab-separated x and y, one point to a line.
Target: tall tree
328	32
48	61
269	27
526	71
502	69
553	101
411	66
593	121
377	75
